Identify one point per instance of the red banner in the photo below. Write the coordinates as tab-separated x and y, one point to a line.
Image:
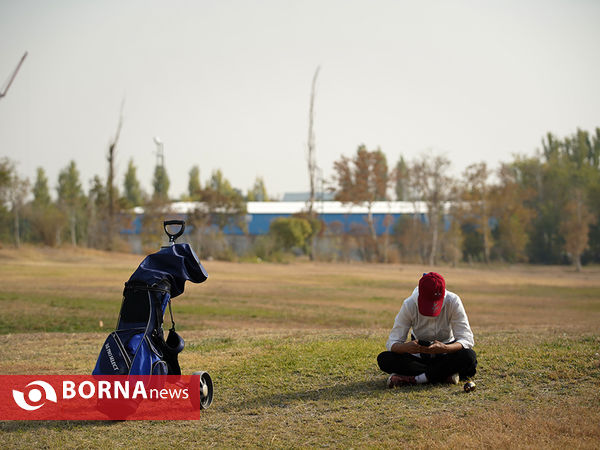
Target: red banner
79	397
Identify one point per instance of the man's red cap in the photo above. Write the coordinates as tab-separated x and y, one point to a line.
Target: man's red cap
432	289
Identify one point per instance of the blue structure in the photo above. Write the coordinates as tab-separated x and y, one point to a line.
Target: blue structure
348	218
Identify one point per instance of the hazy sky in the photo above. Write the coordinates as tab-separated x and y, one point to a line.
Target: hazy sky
225	84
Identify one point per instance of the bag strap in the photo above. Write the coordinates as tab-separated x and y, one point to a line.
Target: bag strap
171	314
139	286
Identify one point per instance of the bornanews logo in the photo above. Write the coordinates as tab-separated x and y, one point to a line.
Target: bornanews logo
34	396
78	397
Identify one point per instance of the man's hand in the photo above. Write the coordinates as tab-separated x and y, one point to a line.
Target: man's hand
440	347
436	347
407	347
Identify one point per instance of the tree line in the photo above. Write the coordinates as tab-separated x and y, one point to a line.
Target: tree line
538	209
93	217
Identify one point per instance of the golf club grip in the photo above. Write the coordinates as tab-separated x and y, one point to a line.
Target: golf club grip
172	237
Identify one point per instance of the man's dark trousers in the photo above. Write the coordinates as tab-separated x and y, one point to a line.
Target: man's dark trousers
437	367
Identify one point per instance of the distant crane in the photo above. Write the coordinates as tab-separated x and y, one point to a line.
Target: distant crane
12	77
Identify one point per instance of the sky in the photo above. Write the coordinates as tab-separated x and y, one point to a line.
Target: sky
225	84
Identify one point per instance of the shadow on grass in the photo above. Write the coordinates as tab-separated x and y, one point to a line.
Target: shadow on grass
358	390
19	426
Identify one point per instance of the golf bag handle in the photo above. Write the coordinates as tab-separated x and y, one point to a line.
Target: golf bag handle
172	237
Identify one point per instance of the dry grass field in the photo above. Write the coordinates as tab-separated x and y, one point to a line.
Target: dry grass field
291	349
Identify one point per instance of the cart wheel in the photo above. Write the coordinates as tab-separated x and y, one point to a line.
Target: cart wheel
201	390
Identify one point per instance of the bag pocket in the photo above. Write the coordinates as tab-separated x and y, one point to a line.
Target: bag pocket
159	368
113	358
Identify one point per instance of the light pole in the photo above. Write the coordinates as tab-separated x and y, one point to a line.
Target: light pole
160	154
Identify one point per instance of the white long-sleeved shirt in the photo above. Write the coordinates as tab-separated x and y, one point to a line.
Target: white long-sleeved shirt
452	323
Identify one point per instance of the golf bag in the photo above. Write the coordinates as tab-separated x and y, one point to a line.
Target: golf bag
138	346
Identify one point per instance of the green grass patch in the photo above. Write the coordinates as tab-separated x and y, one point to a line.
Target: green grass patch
324	389
292	351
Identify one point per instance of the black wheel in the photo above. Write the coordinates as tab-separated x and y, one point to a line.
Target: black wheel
201	390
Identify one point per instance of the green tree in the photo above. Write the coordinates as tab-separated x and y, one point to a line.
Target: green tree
131	186
317	227
593	198
221	206
41	192
401	176
258	193
194	187
7	168
71	197
544	242
161	184
47	221
98	215
290	232
583	172
509	200
6	173
225	204
568	169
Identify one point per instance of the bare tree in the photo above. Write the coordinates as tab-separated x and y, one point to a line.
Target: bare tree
12	76
410	231
110	187
430	179
13	190
312	164
454	238
18	191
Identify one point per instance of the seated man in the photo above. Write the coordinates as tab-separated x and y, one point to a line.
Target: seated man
442	340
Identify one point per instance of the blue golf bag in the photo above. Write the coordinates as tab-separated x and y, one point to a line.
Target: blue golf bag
138	346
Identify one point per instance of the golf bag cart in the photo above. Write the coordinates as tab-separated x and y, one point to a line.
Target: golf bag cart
138	346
